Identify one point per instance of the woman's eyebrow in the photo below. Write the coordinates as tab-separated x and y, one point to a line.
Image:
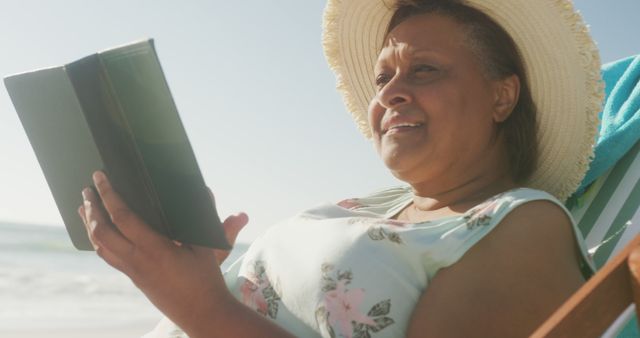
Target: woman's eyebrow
383	62
377	68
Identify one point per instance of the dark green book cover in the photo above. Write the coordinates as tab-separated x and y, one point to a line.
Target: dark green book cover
113	111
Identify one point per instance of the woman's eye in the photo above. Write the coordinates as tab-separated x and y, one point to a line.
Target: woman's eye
382	79
424	69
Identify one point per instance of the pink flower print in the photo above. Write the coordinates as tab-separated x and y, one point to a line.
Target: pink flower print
258	294
340	309
252	296
349	203
342	306
394	222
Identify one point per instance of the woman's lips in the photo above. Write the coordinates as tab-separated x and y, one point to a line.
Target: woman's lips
402	128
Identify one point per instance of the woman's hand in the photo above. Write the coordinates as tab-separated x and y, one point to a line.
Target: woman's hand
181	280
232	226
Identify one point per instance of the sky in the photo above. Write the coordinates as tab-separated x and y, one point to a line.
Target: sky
252	86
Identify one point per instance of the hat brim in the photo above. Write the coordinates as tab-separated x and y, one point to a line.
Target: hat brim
560	58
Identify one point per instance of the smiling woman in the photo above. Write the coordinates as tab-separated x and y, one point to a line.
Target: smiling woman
446	91
436	114
472	33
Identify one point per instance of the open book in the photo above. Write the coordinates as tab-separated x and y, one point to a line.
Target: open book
113	111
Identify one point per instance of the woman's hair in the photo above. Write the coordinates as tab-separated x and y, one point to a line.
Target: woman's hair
499	57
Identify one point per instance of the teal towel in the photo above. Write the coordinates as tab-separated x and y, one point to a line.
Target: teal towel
620	118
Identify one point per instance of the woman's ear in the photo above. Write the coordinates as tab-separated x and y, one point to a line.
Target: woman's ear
507	92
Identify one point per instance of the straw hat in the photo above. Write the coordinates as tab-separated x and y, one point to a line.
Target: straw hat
560	58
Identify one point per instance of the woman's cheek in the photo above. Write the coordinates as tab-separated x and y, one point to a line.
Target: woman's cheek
375	114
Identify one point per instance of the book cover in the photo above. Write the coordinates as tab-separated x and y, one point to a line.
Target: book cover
113	111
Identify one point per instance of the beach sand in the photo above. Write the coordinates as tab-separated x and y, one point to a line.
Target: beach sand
129	331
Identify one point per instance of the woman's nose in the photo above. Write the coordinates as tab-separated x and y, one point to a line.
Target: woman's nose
394	93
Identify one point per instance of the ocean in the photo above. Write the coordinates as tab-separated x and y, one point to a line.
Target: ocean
45	283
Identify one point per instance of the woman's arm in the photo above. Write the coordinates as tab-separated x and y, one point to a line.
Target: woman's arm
182	281
508	283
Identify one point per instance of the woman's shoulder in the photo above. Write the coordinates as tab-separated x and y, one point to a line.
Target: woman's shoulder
527	246
523	194
528	206
518	198
530	211
513	217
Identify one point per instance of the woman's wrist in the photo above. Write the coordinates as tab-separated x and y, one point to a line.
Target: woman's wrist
210	313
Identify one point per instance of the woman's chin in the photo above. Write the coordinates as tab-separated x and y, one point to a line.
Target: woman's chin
398	163
408	166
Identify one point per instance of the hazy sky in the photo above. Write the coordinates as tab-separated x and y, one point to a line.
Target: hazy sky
254	92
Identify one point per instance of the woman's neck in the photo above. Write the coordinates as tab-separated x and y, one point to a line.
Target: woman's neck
431	204
459	198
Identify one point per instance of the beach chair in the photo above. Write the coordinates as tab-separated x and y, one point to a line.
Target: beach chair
608	214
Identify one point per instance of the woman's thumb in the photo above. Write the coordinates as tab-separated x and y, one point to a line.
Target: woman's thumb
233	224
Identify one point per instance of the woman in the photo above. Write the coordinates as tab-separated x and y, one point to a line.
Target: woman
464	250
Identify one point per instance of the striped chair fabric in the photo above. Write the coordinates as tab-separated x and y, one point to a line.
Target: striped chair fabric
608	215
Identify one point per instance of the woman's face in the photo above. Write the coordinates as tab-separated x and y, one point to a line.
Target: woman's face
434	113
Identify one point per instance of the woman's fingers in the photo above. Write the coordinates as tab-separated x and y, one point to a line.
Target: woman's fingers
102	251
101	231
131	226
233	224
83	216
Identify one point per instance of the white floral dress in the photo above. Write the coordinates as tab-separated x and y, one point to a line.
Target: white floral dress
349	270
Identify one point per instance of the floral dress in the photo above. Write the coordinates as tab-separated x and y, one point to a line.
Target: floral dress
349	270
